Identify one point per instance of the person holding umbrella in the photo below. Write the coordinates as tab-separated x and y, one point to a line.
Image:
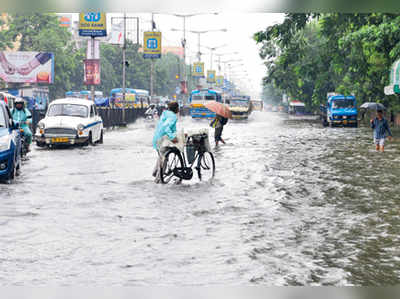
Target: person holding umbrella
381	130
223	113
218	123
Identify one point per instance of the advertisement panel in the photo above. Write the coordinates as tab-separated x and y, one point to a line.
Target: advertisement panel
27	67
210	76
219	81
92	72
117	33
152	44
65	20
198	69
92	24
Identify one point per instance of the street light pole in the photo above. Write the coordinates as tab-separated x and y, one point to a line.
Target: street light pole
152	62
124	64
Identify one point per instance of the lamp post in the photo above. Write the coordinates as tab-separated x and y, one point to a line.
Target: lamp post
199	33
183	41
212	49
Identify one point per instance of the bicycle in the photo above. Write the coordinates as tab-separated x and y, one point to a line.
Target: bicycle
178	164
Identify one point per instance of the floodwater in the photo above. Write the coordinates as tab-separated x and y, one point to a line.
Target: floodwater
292	203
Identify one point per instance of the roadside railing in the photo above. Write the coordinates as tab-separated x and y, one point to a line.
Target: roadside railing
112	117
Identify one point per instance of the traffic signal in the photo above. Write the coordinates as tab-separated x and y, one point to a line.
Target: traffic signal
177	77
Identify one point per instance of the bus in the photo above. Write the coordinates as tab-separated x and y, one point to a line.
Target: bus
137	98
83	94
36	97
197	100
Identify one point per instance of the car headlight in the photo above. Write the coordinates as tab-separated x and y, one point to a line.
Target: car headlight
81	127
5	143
335	117
41	125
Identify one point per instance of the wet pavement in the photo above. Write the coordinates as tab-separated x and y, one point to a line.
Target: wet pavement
292	203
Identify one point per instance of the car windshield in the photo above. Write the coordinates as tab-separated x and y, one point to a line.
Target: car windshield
239	103
68	110
337	104
2	119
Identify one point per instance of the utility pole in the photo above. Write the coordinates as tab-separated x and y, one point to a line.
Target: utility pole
124	72
153	27
92	50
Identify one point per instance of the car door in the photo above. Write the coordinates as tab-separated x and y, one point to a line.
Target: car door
92	121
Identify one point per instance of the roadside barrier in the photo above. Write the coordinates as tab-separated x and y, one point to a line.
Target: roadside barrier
112	117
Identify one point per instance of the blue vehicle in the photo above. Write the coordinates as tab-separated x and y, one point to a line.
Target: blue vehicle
197	100
134	98
340	110
10	145
36	97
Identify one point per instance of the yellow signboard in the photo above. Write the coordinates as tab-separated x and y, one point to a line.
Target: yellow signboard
92	24
152	44
220	81
211	76
198	69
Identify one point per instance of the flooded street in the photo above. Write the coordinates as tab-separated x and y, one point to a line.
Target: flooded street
292	203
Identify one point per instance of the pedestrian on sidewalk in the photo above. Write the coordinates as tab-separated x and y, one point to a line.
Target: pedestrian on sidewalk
166	127
218	123
381	130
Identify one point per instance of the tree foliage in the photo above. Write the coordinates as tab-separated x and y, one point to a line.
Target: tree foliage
309	55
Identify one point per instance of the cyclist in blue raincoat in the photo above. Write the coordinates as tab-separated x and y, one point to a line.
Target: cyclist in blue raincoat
22	116
165	127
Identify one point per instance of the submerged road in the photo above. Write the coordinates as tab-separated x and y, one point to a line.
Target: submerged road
292	203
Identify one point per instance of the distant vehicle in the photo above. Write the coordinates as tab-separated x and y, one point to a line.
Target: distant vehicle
268	107
197	100
240	107
70	121
297	108
10	145
36	97
8	99
340	110
257	105
134	98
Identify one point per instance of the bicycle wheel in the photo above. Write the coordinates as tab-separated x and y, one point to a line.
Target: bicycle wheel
206	166
173	159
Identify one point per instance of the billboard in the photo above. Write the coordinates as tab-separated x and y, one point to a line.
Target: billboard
65	20
210	76
152	44
27	67
198	69
117	33
219	81
92	24
92	72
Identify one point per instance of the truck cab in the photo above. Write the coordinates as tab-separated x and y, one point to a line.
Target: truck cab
240	107
341	110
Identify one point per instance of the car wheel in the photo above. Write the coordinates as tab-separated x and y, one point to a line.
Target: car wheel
40	144
91	139
12	174
101	137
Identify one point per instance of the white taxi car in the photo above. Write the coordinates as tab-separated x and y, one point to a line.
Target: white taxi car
70	121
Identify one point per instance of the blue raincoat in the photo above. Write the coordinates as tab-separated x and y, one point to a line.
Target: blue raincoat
23	117
165	127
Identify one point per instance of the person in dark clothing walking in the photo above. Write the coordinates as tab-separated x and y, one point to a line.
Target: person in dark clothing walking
381	131
218	123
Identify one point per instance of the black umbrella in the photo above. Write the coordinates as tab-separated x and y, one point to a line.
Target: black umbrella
373	106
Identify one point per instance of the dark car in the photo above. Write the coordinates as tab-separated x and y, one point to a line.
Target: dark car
10	145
